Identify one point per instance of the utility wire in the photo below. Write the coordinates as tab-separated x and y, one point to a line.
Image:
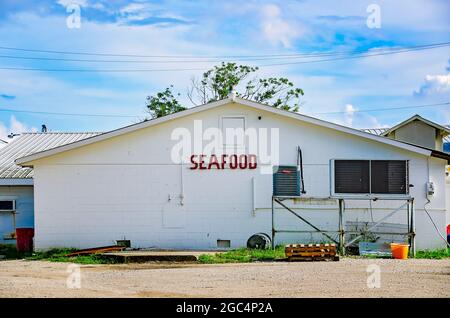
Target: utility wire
350	57
197	56
196	69
134	116
65	114
383	109
160	61
242	58
102	70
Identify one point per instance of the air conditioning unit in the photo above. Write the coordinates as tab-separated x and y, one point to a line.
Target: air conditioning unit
286	181
7	205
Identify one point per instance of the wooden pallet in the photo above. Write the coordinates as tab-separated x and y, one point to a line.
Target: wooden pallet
311	252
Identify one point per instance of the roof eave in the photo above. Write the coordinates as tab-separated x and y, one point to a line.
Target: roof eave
441	155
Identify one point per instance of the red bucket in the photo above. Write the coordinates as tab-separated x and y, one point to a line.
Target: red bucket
24	239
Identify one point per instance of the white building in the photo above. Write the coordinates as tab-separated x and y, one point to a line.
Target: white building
127	183
16	183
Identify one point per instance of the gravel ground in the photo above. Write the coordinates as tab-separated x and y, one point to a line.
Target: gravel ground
346	278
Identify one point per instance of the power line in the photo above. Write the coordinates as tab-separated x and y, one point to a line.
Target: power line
192	56
65	114
384	109
102	70
240	58
350	57
135	116
161	61
197	69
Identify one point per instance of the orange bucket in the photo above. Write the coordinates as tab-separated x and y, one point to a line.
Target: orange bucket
399	250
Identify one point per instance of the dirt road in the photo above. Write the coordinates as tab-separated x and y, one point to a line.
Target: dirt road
346	278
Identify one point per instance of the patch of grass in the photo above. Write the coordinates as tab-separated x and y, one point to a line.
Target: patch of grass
243	255
434	254
59	255
10	251
53	255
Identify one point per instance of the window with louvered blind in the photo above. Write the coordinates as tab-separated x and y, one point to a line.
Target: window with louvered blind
371	176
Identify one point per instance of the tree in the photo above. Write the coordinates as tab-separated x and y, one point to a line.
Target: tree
218	82
163	103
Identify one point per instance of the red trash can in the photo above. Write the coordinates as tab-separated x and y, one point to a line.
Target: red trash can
448	234
24	239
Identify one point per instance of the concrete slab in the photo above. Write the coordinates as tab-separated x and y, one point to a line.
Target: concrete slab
156	256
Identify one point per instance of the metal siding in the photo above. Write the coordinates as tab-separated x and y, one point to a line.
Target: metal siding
24	216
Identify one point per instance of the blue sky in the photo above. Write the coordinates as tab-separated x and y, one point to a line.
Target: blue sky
217	28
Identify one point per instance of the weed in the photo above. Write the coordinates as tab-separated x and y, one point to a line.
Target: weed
243	255
434	254
53	255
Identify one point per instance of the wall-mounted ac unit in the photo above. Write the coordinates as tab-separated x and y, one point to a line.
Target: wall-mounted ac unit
286	181
7	205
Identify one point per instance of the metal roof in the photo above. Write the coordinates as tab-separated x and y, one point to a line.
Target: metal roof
376	131
29	143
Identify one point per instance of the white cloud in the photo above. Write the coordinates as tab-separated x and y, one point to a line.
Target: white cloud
435	84
15	126
66	3
352	117
133	7
276	29
374	82
349	112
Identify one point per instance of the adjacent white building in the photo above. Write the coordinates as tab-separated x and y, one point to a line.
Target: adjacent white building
128	183
16	183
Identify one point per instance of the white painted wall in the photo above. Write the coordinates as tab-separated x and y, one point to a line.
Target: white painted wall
24	210
119	188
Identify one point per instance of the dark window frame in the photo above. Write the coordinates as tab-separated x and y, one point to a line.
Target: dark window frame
401	188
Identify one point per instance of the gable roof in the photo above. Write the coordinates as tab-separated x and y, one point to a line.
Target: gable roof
29	143
28	159
443	129
382	131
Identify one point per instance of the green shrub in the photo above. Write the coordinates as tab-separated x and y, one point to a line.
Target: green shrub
243	255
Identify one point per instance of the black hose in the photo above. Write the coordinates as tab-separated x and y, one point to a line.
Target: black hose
300	163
